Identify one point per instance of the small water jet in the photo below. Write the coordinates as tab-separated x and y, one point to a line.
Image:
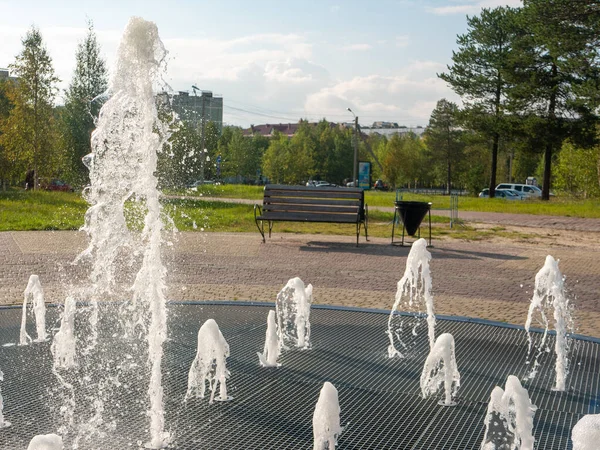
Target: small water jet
586	433
509	418
46	442
268	358
549	297
34	295
326	419
3	422
209	366
414	294
293	314
440	368
64	344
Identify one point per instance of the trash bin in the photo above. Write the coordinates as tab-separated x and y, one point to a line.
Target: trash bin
411	214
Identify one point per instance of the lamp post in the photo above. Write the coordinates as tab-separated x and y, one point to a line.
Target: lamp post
355	165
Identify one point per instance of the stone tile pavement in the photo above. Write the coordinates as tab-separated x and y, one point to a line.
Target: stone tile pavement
490	280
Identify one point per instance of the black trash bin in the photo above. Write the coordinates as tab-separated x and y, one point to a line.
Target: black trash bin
411	214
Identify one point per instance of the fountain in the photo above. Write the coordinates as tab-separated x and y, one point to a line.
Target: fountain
46	442
440	367
586	433
3	422
326	419
209	366
549	296
293	314
414	293
34	294
509	418
268	358
64	344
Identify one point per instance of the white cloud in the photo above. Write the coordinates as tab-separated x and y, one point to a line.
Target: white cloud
473	7
335	8
357	47
407	96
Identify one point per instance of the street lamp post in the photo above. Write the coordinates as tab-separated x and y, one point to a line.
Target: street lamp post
355	165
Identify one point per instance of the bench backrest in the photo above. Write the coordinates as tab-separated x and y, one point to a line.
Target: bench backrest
306	202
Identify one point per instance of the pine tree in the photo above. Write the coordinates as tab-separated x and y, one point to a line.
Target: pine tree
82	104
29	133
478	75
555	74
442	138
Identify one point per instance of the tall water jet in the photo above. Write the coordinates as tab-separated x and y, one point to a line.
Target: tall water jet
268	358
34	295
3	422
509	418
46	442
122	169
326	418
414	295
293	314
586	433
440	368
549	297
210	364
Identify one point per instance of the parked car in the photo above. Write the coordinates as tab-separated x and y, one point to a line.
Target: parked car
380	185
317	183
57	185
525	189
521	195
500	193
197	183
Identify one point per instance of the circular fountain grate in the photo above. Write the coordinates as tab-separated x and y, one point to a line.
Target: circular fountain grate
272	408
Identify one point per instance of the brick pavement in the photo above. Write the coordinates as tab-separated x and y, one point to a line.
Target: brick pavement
490	280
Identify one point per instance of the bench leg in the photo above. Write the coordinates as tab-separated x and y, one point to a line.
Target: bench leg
366	223
261	229
270	228
357	232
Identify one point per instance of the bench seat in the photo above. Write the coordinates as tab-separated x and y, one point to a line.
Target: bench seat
311	204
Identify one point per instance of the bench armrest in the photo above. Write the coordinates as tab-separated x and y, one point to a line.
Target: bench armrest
257	207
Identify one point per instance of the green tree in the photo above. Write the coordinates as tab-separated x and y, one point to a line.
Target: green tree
577	170
82	104
275	159
443	139
404	160
555	75
478	75
5	107
29	133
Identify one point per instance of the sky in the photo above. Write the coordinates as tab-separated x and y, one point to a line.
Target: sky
274	61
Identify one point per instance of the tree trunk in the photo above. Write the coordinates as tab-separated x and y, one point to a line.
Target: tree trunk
449	180
552	130
495	145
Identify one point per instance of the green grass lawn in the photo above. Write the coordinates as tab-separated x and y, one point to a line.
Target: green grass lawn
557	206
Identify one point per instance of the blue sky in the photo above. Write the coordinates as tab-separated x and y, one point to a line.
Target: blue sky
274	61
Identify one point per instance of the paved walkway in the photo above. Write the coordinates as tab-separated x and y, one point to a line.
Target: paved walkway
476	279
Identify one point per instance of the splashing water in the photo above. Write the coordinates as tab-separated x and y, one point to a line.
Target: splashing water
34	294
326	419
268	358
46	442
586	433
122	169
209	366
440	368
414	294
3	422
64	345
293	314
549	296
509	418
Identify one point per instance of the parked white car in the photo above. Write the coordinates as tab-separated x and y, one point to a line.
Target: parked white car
526	189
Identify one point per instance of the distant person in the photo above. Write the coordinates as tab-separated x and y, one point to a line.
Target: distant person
30	179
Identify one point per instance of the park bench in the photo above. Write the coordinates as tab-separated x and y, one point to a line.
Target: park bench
311	204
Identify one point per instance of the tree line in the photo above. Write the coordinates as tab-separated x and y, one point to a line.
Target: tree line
528	79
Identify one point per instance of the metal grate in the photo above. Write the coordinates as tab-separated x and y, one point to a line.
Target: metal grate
272	408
